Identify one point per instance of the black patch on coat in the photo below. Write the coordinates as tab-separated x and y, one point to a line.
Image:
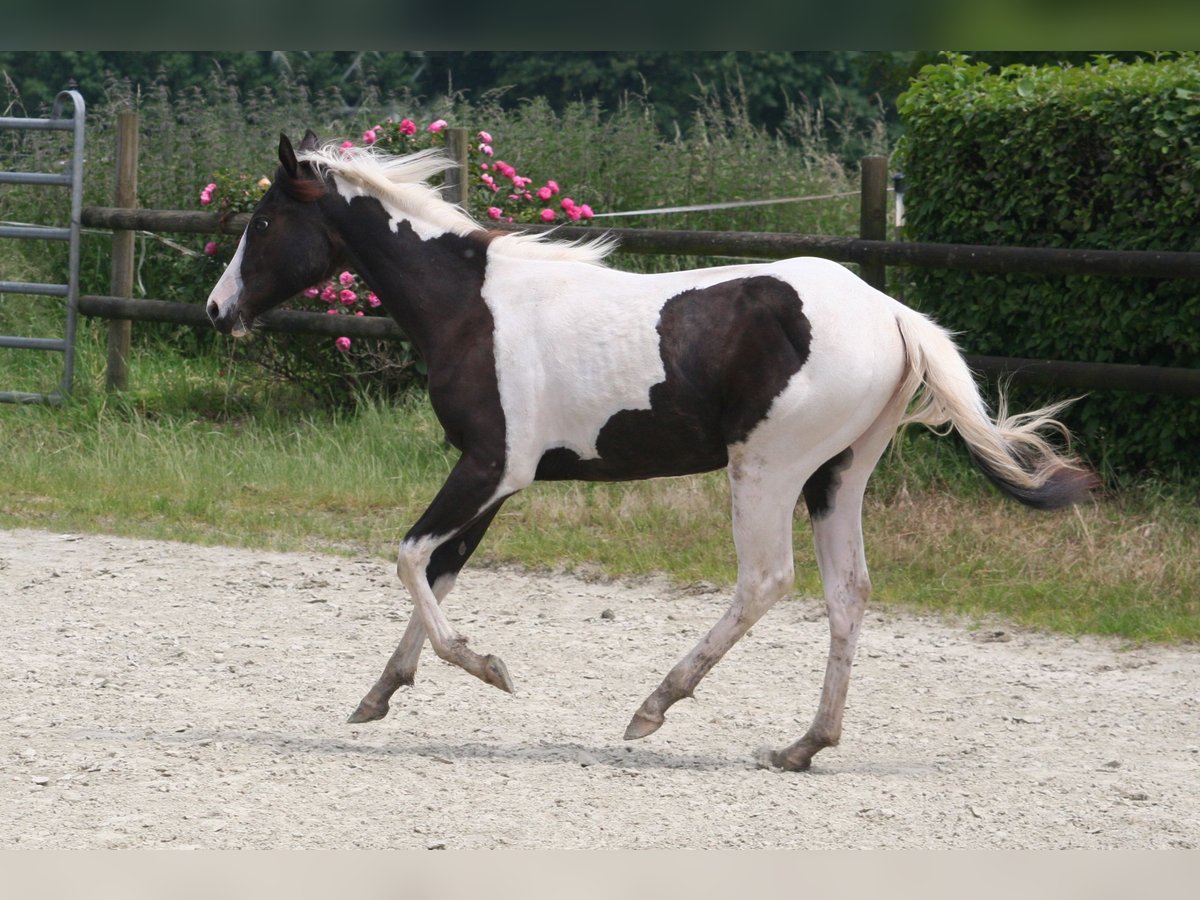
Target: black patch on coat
823	484
434	290
728	351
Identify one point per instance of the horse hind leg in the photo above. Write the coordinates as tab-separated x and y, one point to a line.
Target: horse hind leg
762	528
834	498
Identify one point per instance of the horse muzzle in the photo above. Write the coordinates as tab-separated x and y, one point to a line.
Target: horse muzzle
228	320
224	305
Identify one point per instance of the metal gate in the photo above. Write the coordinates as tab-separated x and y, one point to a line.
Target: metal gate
72	178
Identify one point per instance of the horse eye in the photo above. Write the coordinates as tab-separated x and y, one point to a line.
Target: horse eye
261	224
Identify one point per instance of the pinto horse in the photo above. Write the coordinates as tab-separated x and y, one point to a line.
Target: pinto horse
546	364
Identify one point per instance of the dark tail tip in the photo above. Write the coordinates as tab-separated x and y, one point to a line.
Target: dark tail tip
1065	486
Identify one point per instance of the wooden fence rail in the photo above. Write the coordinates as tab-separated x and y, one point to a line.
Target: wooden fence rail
869	251
983	258
761	245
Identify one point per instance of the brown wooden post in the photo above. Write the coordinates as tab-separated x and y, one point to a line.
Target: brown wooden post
873	216
456	178
120	331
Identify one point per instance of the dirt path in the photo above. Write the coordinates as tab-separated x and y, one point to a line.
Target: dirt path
166	695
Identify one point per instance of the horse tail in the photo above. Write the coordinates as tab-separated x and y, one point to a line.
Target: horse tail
1009	449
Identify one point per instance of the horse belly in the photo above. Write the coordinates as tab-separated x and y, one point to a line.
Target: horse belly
638	444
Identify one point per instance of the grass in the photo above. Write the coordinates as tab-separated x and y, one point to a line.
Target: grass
202	451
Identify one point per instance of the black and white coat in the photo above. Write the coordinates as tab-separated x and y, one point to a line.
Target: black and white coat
546	364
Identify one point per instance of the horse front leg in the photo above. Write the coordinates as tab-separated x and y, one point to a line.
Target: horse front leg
401	668
430	556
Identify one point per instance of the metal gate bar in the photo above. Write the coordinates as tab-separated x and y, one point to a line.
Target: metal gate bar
70	290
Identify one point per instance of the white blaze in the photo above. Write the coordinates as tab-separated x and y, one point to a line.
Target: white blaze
226	291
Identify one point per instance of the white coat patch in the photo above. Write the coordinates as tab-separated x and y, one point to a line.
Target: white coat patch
229	287
572	350
348	190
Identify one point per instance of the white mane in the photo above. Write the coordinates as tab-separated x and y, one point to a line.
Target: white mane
402	181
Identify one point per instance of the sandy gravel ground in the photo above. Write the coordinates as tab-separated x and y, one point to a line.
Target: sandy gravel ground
165	695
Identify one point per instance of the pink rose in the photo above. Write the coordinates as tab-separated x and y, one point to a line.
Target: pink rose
586	211
346	279
567	204
504	168
332	311
359	312
494	212
369	137
346	145
485	137
553	185
342	343
487	179
205	198
372	300
573	213
408	126
312	292
486	149
544	193
328	294
519	181
436	126
211	186
547	215
348	296
210	249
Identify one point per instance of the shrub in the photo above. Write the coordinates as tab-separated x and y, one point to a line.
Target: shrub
1103	156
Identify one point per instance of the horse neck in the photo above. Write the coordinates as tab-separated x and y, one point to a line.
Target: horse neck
430	286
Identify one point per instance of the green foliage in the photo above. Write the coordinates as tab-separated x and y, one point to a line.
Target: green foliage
675	82
1102	156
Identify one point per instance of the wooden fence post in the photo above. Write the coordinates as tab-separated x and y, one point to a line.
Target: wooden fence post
456	178
872	224
120	331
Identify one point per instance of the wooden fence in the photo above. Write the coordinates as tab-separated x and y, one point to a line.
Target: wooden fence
869	251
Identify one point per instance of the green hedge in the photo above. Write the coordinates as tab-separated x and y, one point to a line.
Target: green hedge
1103	156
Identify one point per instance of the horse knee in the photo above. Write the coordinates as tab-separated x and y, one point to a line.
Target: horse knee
412	559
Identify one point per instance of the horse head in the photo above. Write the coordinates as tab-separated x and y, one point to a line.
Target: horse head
287	246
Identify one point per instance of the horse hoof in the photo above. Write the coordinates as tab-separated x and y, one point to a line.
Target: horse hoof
766	758
496	674
642	724
367	712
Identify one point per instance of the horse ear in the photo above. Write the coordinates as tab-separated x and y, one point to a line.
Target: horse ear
287	157
310	140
